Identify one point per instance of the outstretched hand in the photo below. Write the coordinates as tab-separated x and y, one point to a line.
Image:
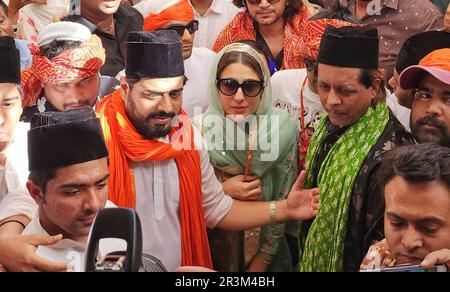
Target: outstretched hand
302	203
18	254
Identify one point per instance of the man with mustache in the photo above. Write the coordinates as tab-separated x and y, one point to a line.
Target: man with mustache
160	166
178	15
346	150
416	182
296	92
277	25
65	71
430	113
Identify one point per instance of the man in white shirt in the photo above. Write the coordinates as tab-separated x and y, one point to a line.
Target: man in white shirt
159	166
14	198
69	186
16	205
178	15
212	16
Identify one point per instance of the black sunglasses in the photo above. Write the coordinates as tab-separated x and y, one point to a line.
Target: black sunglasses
250	88
191	27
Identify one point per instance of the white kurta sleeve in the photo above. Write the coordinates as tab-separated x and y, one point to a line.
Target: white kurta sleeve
215	203
17	202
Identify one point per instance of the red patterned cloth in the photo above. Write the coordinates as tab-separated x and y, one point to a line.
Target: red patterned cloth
242	28
312	35
80	62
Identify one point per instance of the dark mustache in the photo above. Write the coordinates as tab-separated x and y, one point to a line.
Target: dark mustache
82	103
160	114
431	121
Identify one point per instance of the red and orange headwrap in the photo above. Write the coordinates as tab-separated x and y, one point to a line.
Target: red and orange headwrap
312	35
157	13
81	62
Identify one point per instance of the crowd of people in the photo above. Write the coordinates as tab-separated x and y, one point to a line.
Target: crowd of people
248	135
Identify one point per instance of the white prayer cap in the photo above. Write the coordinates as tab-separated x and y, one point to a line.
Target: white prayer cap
63	31
154	6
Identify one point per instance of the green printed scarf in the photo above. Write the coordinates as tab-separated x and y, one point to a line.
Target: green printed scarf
323	250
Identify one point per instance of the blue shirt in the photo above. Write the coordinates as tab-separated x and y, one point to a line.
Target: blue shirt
25	54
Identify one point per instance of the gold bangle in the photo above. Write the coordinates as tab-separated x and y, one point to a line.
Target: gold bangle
272	212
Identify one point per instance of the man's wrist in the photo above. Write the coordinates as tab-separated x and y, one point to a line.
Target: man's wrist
281	211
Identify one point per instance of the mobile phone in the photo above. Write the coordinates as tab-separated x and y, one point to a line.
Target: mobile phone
75	7
410	269
75	15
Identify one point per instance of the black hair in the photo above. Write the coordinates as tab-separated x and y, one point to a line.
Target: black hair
416	164
56	47
337	12
41	177
253	44
292	7
418	46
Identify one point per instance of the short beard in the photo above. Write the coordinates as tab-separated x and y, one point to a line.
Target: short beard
440	135
143	125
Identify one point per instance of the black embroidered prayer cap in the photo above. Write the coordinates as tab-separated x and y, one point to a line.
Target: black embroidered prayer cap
353	47
58	139
156	54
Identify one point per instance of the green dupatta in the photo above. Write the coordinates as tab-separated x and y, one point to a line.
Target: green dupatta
277	170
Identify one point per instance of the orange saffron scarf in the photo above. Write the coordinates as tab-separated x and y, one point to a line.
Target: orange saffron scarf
124	142
182	11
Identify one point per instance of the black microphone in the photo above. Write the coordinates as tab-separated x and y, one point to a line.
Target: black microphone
119	223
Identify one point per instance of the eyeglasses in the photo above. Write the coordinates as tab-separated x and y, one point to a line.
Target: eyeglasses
250	88
191	27
257	2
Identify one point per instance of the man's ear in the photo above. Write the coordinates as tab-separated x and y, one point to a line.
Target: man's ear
124	88
35	192
376	87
